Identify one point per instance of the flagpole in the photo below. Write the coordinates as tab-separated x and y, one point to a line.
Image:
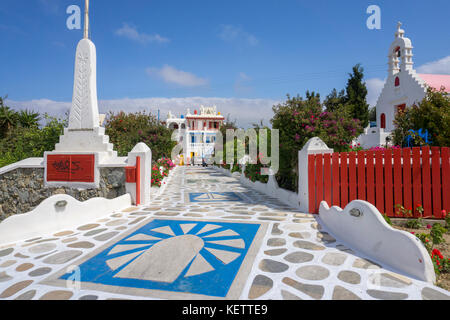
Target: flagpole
86	20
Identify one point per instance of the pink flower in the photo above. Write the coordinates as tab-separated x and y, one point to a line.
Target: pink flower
428	226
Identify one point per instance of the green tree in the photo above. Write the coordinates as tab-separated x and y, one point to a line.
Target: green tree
8	118
125	130
335	100
373	114
356	91
26	142
28	119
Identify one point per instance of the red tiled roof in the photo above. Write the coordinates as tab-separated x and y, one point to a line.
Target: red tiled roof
437	81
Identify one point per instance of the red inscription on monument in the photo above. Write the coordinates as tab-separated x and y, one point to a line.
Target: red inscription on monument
70	168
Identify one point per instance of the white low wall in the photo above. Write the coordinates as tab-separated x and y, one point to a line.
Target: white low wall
270	188
49	218
370	234
24	164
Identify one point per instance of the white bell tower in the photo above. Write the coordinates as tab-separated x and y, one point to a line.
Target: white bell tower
400	53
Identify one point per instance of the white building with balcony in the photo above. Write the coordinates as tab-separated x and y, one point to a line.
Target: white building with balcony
197	132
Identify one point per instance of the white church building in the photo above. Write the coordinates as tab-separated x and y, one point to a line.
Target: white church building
403	88
197	132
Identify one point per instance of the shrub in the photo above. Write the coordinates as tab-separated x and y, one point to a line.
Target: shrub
414	224
125	130
401	211
166	163
437	234
387	219
431	114
236	168
299	120
157	177
27	142
254	171
441	264
425	238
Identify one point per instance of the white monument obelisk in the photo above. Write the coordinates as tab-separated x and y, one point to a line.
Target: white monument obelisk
84	133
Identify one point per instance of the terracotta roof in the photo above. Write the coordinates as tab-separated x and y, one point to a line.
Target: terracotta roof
437	81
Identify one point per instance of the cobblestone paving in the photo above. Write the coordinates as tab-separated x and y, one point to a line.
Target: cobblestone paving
298	258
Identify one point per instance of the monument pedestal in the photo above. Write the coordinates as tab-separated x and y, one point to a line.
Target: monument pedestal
87	140
84	147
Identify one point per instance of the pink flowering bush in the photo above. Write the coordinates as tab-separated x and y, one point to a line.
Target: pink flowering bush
299	120
167	163
157	175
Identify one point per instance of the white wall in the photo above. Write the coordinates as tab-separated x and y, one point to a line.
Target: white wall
48	218
372	137
370	235
410	91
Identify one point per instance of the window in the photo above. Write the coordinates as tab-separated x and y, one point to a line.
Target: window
397	81
401	108
383	121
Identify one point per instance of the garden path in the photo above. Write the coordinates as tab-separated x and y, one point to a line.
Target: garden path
205	237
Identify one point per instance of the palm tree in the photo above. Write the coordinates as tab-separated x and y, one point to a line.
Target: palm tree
28	119
8	118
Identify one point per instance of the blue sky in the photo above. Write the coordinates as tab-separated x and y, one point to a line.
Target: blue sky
242	55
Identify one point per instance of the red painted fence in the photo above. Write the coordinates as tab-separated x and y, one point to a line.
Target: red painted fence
383	178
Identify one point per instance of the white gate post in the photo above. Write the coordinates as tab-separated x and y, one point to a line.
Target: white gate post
143	151
313	146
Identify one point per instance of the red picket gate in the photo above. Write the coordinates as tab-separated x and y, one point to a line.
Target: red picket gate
386	178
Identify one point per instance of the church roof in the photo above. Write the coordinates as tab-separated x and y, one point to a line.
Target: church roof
436	81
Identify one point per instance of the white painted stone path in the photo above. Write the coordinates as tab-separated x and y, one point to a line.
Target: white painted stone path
298	259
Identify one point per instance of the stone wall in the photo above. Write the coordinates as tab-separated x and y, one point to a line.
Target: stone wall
21	190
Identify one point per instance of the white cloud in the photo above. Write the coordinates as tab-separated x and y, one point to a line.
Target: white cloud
441	66
232	33
374	87
172	75
132	33
244	111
